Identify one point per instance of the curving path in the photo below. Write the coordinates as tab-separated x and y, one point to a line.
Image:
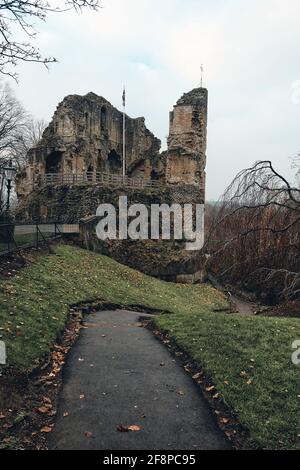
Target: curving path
119	374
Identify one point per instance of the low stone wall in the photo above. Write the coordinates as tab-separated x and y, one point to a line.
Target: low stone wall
69	204
168	260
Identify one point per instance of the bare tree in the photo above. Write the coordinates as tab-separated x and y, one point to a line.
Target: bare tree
21	14
30	135
14	123
254	240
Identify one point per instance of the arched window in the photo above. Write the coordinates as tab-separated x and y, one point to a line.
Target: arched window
53	162
154	175
114	162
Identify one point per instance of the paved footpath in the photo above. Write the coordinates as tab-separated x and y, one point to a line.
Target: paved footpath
119	374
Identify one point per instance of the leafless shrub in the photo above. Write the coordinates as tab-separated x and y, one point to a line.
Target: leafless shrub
254	238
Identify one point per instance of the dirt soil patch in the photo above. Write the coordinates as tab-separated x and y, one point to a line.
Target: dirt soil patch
287	309
28	402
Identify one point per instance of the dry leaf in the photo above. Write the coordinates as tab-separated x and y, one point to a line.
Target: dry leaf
47	400
134	428
210	389
81	397
122	428
43	409
224	420
46	429
197	376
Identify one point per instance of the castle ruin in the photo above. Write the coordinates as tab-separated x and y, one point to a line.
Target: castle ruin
64	179
86	136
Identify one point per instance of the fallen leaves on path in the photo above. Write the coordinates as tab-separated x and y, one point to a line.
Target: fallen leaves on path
122	428
134	428
43	409
210	389
47	429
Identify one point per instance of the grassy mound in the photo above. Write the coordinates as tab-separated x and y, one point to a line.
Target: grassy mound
248	358
34	304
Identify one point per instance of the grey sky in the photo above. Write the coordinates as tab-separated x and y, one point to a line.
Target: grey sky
249	48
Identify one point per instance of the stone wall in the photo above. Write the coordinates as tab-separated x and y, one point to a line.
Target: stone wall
168	260
69	204
86	134
186	158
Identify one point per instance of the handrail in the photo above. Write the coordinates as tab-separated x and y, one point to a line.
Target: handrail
97	178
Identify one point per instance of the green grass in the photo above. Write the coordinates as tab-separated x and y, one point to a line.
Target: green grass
20	240
34	305
248	358
249	361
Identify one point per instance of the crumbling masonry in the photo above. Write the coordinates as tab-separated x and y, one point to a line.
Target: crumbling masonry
85	136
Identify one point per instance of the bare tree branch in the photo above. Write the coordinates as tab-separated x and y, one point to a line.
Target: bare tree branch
18	133
22	13
254	238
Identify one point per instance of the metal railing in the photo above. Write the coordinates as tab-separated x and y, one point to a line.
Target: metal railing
97	178
16	236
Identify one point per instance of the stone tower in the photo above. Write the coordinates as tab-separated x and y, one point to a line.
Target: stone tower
186	158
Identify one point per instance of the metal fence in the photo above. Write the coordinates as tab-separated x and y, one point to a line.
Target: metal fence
91	178
14	237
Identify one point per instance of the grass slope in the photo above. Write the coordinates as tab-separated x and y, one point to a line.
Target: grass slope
248	358
34	304
249	361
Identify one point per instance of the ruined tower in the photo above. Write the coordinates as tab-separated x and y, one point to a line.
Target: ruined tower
186	158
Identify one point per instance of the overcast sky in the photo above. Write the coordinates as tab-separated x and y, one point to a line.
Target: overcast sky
249	48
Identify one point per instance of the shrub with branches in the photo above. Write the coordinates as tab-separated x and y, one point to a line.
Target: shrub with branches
254	239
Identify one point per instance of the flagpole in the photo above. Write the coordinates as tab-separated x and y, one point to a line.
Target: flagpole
124	136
